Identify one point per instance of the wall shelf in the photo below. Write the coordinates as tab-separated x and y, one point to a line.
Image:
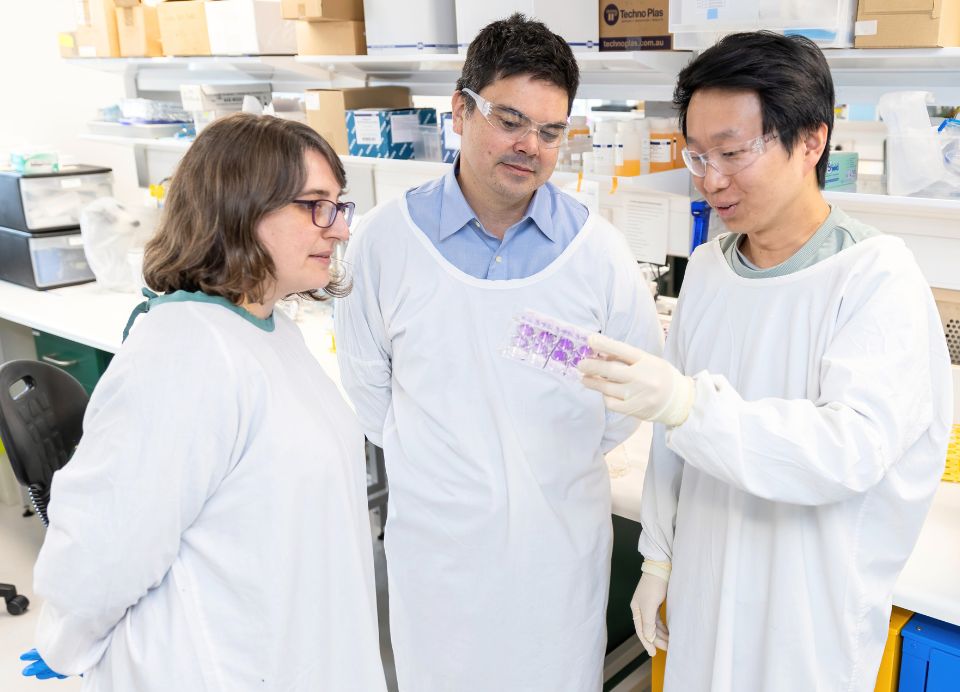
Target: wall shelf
930	227
860	75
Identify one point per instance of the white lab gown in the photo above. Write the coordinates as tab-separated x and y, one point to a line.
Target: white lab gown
211	531
498	538
800	481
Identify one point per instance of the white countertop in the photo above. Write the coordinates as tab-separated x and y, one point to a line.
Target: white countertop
88	314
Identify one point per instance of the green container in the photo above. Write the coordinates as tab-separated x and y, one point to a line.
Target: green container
85	363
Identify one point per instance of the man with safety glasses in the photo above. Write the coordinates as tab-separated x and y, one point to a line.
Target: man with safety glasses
498	538
804	403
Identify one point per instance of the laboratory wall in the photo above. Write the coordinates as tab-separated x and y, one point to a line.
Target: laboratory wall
46	100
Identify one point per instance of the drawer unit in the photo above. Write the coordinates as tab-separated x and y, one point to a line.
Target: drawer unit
931	656
44	260
50	201
85	363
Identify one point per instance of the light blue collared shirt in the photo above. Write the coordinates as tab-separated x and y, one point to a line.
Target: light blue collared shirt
551	222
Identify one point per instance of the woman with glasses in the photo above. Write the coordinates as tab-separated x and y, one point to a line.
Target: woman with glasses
211	531
805	399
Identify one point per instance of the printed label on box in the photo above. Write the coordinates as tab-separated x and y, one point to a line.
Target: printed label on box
404	128
368	129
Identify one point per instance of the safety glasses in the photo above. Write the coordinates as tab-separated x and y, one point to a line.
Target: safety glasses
324	211
515	125
727	159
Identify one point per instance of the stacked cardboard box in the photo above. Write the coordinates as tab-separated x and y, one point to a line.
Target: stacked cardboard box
138	29
907	24
183	27
327	27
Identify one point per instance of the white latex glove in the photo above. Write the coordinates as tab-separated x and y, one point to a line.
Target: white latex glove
636	383
645	605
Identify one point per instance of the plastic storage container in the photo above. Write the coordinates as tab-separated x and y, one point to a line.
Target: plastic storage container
931	656
695	24
46	260
50	201
427	145
888	678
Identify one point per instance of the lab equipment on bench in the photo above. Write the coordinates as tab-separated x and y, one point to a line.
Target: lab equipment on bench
547	344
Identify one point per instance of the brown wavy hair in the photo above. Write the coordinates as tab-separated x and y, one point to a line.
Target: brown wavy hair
240	168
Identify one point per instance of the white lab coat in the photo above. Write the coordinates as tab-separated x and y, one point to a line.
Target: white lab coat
498	538
799	483
211	531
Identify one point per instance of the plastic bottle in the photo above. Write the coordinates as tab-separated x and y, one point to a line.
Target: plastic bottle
681	144
643	132
663	143
604	141
587	160
628	150
578	141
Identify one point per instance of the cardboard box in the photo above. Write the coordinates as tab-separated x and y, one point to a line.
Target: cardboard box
386	133
327	109
249	27
635	25
139	31
86	37
424	26
103	21
331	38
127	3
67	40
575	20
449	140
183	27
323	10
907	24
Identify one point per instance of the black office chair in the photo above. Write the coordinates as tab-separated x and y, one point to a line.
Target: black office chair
41	422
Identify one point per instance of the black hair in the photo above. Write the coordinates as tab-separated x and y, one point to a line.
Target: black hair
788	73
516	46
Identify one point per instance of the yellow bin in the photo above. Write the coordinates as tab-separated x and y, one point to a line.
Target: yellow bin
888	680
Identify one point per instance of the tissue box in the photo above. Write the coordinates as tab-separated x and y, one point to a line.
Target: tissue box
841	169
386	133
449	140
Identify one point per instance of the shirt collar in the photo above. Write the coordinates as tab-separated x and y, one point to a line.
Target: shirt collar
455	211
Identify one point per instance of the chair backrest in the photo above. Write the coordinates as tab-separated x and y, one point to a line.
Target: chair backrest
41	419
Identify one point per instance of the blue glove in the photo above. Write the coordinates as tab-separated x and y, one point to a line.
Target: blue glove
39	667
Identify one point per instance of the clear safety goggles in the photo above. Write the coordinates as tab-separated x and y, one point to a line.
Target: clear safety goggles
515	125
324	211
727	159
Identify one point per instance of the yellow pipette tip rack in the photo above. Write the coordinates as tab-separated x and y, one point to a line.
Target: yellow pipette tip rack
952	472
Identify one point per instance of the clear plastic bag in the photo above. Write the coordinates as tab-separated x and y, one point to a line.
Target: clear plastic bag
949	134
110	232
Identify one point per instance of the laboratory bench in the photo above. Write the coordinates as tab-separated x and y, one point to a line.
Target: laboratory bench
91	315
